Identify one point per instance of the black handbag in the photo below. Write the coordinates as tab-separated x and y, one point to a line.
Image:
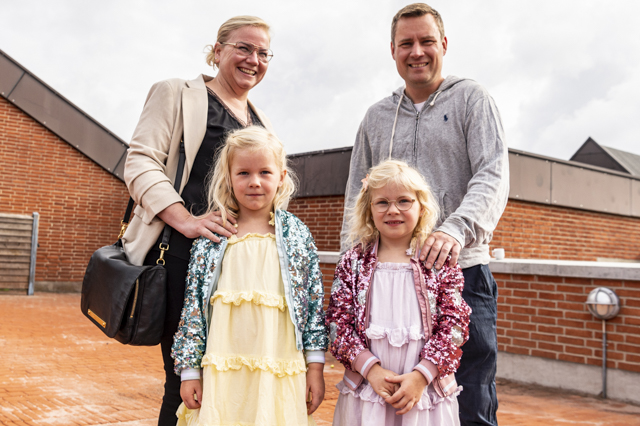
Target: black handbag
128	302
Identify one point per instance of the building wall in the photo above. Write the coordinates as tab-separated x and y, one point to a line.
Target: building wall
546	316
80	204
323	216
537	231
526	230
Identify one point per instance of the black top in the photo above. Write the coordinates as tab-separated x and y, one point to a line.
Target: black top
220	122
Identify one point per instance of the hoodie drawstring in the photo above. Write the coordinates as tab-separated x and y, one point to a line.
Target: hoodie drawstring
395	121
433	102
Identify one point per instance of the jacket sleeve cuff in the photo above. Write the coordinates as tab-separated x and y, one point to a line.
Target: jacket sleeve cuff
363	362
155	201
314	356
428	369
190	374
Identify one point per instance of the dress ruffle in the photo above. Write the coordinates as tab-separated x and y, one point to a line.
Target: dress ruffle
255	297
391	266
395	336
235	240
429	400
279	368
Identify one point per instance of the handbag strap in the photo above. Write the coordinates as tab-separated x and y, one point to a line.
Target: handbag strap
166	233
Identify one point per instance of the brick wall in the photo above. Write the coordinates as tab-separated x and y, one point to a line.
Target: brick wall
323	216
80	204
526	230
547	317
327	270
537	231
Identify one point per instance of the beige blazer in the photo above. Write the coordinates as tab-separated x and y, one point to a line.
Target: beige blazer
173	108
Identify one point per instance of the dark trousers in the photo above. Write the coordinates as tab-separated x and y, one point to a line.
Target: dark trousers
176	275
478	401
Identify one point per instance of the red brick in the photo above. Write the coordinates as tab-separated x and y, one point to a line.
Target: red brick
517	350
524	343
544	354
571	358
544	337
550	347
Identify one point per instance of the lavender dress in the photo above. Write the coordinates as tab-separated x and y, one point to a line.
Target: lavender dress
397	337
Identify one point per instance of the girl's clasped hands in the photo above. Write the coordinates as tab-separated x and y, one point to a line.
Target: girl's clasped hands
401	391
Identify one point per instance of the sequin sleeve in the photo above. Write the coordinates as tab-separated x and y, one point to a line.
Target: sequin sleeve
314	337
451	325
189	341
346	344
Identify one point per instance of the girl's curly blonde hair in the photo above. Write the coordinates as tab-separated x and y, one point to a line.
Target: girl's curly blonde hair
253	138
361	227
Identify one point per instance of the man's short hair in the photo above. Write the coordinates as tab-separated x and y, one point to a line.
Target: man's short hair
413	11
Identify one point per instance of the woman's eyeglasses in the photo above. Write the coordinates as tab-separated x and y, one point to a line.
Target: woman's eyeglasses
247	49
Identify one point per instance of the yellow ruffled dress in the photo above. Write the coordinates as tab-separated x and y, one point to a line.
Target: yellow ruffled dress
252	372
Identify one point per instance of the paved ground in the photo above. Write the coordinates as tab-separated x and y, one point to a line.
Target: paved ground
56	368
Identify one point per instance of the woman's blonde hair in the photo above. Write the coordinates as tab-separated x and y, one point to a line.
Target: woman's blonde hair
220	195
362	230
225	30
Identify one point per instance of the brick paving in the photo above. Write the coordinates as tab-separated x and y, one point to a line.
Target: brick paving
56	368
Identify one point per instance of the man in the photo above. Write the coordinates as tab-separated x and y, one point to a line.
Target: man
450	130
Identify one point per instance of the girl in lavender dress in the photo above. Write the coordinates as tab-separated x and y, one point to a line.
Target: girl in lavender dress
395	325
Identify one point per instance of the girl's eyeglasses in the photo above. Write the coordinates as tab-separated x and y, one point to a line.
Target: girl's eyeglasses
381	205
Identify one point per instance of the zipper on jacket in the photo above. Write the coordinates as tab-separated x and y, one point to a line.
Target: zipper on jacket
212	286
284	270
415	141
415	133
368	303
135	298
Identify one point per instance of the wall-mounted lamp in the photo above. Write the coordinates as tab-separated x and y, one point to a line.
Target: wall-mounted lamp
604	304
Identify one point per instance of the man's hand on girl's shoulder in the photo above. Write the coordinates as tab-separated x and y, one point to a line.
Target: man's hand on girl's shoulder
437	247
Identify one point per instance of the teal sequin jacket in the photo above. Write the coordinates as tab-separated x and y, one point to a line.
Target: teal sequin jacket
303	288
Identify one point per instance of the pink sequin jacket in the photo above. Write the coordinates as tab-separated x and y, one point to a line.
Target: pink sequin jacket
445	317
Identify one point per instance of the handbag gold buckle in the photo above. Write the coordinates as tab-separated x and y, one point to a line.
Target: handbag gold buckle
123	228
163	248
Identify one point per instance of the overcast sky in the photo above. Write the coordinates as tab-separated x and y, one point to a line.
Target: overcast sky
560	71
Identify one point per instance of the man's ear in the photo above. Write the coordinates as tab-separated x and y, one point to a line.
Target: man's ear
445	43
393	51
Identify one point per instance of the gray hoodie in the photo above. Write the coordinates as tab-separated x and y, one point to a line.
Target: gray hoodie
457	143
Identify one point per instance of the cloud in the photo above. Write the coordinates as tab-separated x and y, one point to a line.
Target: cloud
559	71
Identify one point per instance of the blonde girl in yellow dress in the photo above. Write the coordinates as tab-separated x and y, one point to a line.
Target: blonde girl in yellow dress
251	340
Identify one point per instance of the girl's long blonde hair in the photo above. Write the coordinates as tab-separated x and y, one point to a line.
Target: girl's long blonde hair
253	138
361	227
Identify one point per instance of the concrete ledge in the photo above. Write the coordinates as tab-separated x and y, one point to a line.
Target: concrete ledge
621	385
58	286
556	268
329	256
568	268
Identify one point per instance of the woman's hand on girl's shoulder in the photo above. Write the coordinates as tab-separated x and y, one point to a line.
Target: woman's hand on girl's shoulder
208	225
184	222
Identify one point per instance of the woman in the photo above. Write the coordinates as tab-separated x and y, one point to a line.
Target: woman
200	112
